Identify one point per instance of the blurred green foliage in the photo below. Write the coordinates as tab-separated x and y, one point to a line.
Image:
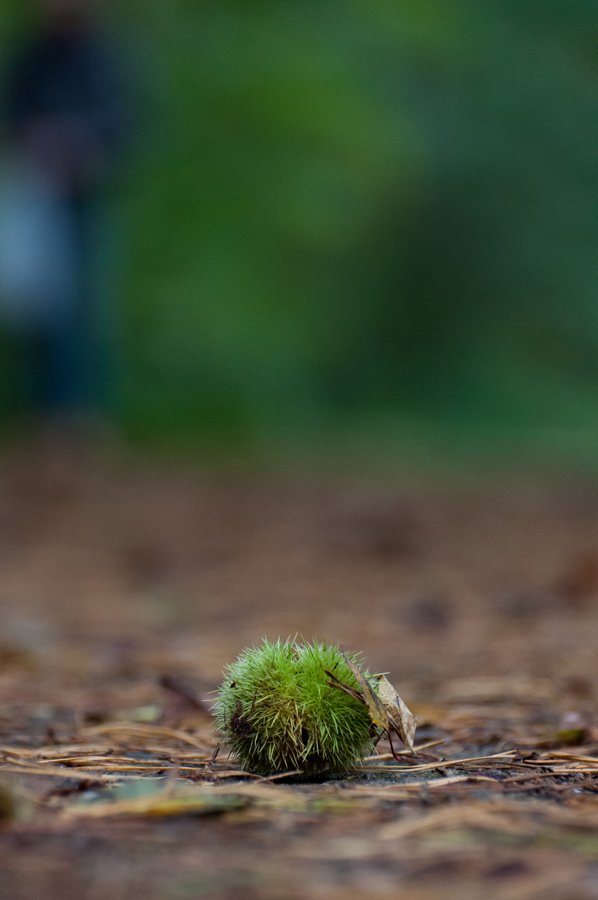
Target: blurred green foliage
345	209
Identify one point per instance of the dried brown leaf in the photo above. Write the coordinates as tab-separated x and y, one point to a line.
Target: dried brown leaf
387	710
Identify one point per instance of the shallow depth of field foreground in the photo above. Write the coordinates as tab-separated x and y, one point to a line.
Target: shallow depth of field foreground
126	590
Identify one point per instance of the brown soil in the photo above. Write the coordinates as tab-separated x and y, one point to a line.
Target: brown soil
124	591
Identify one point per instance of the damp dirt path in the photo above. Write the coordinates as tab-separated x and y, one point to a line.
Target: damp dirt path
125	588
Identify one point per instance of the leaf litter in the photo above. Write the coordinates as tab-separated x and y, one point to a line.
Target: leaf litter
387	710
109	760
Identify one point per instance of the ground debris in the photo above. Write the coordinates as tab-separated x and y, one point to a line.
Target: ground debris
114	766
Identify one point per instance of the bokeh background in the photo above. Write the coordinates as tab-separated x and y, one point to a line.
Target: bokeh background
355	225
348	270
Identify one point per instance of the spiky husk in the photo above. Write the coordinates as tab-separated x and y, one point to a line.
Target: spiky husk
278	712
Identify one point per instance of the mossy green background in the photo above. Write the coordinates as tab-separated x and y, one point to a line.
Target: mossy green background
368	220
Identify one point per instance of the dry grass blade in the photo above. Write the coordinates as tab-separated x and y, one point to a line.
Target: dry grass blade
506	756
131	730
49	772
160	805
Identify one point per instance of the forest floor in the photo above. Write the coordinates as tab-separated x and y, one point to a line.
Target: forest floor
125	588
